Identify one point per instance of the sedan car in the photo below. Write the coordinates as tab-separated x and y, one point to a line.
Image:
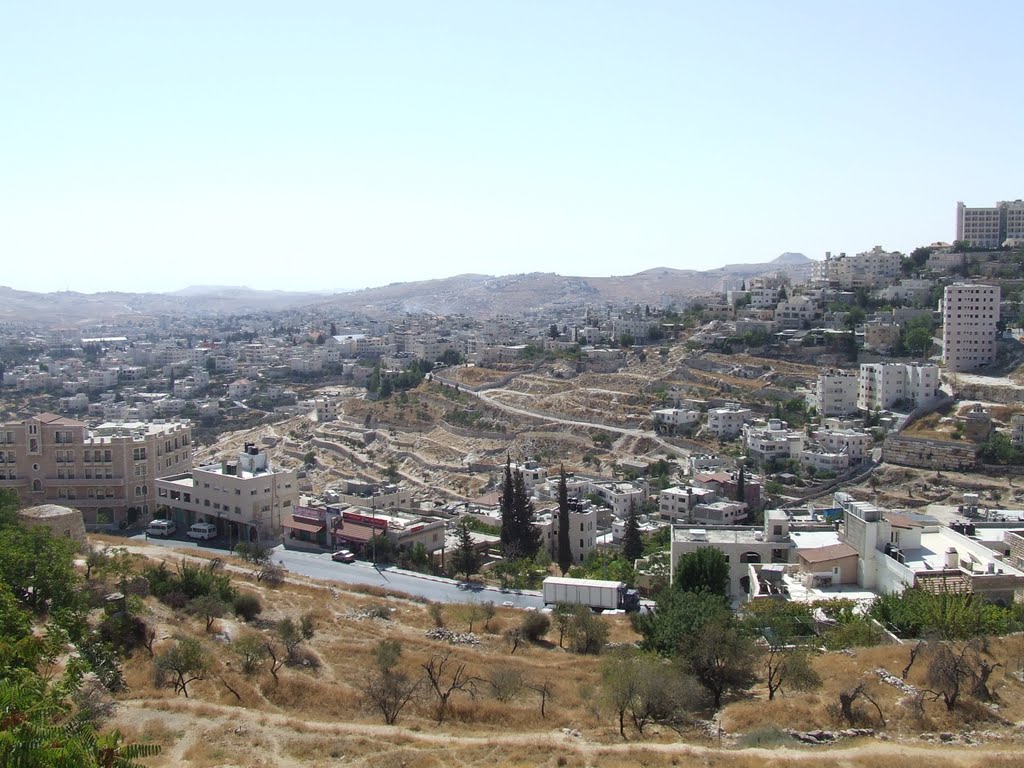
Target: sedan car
343	556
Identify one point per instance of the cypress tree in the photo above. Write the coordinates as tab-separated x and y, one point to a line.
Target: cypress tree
507	507
632	543
465	560
564	548
741	486
526	536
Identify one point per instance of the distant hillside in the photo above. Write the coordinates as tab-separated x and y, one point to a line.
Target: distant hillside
68	309
469	294
480	295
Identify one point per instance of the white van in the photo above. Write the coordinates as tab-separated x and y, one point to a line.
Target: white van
162	528
202	531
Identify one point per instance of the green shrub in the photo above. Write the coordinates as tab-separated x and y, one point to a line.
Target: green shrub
246	606
535	626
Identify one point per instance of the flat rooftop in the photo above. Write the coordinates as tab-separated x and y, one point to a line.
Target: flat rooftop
798	593
721	535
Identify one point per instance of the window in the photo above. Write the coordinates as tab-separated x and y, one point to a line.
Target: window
139	454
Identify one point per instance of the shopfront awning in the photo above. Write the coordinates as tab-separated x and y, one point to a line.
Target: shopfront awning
355	533
295	525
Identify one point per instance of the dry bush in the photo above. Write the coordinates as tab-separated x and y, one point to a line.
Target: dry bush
303	695
802	712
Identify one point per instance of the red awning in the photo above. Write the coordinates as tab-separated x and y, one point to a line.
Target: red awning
355	532
297	526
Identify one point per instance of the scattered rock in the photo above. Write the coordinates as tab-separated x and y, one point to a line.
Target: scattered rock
896	682
829	737
455	638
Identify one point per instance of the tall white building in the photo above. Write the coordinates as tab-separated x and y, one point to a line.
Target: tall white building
882	385
836	393
970	313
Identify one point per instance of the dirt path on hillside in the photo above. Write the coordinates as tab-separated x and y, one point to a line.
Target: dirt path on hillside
266	738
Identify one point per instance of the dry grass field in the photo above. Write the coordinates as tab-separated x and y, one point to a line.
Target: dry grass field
315	714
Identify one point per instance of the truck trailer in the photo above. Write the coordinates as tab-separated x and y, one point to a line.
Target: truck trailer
595	593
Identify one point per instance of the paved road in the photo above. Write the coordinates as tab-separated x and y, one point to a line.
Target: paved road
319	565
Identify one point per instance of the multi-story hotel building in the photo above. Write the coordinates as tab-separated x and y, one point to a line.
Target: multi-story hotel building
990	227
970	313
104	472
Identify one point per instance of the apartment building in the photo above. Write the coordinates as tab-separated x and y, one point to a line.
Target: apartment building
882	335
104	472
246	498
796	312
675	504
870	269
620	496
835	393
675	419
824	460
534	474
1017	429
727	421
970	313
582	529
741	545
990	227
882	385
762	297
854	443
387	496
328	408
773	439
720	512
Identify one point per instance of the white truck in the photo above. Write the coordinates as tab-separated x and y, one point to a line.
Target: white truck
595	593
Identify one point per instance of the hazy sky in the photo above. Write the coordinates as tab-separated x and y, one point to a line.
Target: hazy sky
150	146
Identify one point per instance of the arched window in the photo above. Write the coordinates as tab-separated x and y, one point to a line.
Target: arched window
37	486
750	557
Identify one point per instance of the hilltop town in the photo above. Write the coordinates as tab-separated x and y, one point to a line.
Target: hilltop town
820	455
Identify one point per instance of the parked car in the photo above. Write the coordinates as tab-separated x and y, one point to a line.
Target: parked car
202	531
162	528
343	556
